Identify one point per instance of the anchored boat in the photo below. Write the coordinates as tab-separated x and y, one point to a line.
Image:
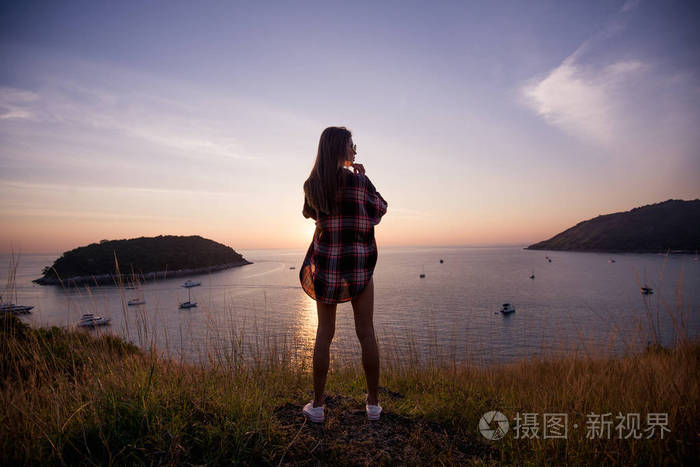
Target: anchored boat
89	320
16	309
189	303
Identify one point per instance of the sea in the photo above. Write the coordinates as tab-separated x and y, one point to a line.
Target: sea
585	303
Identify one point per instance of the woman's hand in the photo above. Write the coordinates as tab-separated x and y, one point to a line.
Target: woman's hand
358	168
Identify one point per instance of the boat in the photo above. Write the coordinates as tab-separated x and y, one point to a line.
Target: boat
190	283
422	275
16	309
189	303
292	267
136	301
532	276
89	320
646	290
507	309
442	261
611	260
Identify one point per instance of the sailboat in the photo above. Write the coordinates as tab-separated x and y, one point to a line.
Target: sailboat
423	273
189	303
645	290
12	308
16	309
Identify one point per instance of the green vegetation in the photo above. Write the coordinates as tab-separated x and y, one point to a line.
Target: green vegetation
68	398
672	225
140	256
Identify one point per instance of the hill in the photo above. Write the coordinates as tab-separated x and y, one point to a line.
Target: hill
144	257
671	225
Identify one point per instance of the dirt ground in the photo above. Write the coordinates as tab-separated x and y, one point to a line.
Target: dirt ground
348	438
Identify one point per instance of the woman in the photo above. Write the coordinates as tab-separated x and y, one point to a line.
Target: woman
339	264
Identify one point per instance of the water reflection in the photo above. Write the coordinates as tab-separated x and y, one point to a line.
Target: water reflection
307	320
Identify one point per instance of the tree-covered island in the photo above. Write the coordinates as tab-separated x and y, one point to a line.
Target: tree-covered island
139	259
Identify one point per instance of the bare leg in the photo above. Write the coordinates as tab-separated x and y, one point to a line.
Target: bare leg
324	336
363	308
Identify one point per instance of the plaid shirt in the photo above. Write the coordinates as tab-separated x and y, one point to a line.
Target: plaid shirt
342	255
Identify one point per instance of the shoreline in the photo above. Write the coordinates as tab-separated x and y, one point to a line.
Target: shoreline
114	279
636	252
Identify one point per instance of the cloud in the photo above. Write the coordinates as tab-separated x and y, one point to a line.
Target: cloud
629	6
16	104
148	118
586	101
100	105
55	187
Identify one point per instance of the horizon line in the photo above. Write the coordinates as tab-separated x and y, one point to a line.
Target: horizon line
473	245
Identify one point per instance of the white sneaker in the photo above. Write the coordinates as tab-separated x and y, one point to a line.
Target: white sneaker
373	411
315	414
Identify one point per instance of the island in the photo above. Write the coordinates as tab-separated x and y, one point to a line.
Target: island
670	226
140	259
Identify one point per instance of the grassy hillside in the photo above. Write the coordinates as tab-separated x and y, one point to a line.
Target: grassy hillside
142	255
671	225
69	398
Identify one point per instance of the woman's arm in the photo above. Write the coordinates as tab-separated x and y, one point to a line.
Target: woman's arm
308	211
376	205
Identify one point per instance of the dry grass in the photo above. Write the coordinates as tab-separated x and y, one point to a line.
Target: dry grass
67	397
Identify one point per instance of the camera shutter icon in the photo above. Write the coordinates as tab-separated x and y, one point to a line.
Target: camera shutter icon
493	425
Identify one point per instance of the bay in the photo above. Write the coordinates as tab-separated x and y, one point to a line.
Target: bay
578	302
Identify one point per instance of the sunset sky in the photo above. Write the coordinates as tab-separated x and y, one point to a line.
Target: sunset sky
480	123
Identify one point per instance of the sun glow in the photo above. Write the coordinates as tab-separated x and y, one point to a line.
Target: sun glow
310	229
307	320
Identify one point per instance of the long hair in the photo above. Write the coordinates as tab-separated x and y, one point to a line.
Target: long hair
326	178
